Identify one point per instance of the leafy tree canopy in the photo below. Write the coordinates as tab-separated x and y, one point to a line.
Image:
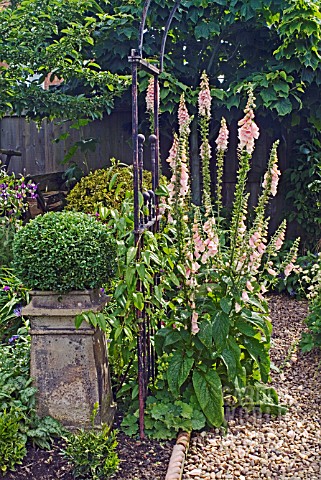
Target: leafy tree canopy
273	44
56	37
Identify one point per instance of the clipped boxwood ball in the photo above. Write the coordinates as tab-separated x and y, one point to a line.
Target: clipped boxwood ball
64	251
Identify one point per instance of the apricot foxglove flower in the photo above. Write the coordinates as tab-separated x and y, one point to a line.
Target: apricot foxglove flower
204	97
195	327
150	95
222	139
248	131
183	116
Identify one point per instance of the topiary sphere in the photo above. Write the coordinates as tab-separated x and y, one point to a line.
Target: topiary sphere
106	187
64	251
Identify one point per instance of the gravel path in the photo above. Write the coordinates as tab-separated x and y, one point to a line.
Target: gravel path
259	446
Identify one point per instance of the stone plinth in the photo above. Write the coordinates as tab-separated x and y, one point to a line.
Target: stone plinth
69	367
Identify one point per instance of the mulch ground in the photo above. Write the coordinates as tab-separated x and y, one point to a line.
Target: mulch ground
139	460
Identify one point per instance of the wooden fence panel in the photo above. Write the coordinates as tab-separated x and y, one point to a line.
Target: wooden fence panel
41	155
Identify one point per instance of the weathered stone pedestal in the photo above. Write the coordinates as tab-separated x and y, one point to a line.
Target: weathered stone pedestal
69	366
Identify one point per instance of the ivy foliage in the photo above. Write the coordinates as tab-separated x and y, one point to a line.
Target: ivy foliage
273	44
304	189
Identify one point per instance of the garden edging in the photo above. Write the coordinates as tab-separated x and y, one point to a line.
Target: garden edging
176	462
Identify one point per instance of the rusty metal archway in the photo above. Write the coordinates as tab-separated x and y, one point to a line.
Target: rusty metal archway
142	221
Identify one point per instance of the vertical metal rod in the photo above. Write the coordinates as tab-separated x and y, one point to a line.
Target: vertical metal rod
141	140
135	149
138	313
153	142
141	359
156	131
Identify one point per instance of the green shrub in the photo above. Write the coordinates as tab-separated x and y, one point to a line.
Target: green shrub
18	420
92	453
104	188
12	441
7	233
64	251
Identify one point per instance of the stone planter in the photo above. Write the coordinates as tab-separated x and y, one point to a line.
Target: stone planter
69	367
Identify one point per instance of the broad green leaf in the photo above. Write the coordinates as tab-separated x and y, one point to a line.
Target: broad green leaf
257	351
92	318
101	321
162	190
283	107
244	327
172	337
205	333
178	370
120	290
228	357
220	330
226	304
131	254
141	270
198	420
174	279
208	390
138	300
78	320
130	277
158	293
113	181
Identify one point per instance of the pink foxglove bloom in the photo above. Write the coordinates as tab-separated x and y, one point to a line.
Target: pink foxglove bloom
204	97
288	269
195	327
184	178
222	139
275	174
254	239
263	289
261	248
272	272
199	246
241	227
248	131
245	296
205	150
249	286
279	241
150	96
172	157
183	115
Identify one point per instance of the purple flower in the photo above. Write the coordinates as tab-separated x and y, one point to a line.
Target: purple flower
6	288
13	338
102	290
18	311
